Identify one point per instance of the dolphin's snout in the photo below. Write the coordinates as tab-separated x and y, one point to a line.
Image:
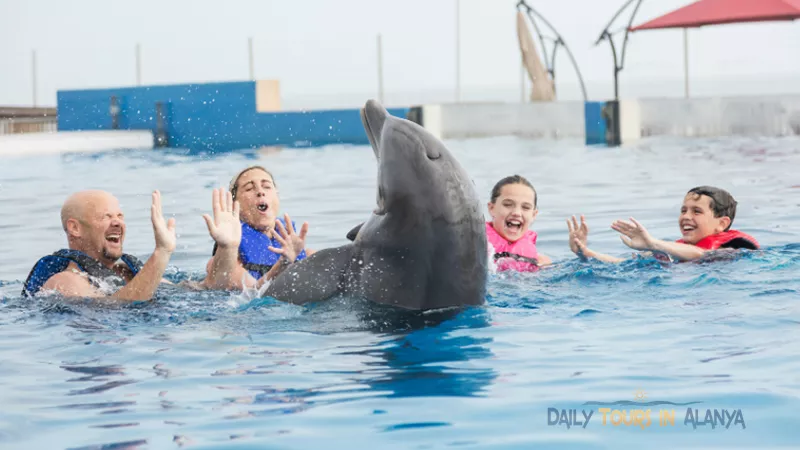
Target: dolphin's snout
375	116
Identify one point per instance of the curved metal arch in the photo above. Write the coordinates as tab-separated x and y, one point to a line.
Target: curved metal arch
606	34
556	42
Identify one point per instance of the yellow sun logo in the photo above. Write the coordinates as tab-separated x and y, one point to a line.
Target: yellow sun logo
639	395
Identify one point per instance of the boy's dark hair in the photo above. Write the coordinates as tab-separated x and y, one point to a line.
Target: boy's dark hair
514	179
722	202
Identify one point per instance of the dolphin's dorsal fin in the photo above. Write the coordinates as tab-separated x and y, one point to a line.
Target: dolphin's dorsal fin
354	232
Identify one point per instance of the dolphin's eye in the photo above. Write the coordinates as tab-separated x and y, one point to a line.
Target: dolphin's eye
432	153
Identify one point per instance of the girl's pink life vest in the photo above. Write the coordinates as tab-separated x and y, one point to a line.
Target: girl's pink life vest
520	255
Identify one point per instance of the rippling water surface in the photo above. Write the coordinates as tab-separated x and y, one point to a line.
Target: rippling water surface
216	370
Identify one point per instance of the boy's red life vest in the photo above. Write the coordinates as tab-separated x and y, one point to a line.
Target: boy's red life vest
726	239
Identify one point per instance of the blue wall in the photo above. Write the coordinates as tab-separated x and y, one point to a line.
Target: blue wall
595	123
213	117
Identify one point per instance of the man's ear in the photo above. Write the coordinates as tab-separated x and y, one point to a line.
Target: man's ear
73	228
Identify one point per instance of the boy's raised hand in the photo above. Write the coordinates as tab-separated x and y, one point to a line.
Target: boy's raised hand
635	235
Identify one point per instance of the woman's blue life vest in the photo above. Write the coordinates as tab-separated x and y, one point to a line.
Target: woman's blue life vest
56	263
254	252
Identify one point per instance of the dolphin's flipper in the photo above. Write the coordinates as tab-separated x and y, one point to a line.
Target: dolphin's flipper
354	232
316	278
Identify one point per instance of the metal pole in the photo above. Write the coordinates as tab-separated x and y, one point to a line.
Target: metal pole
617	68
250	57
380	68
138	64
458	51
686	61
33	77
606	34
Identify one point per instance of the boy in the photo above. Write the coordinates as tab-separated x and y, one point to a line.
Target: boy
705	223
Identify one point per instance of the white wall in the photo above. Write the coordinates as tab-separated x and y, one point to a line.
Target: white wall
728	116
536	120
27	144
700	117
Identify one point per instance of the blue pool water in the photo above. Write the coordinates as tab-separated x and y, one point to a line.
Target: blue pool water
218	370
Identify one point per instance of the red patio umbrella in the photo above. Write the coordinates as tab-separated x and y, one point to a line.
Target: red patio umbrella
716	12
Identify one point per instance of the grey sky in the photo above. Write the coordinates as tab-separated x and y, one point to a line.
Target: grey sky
325	49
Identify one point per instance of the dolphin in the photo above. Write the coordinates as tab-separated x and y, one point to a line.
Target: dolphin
422	248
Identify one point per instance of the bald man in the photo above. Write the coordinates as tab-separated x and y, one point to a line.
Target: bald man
95	265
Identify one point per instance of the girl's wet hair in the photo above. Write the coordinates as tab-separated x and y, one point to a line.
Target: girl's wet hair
722	202
234	186
514	179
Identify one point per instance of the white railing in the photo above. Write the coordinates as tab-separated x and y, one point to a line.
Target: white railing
28	125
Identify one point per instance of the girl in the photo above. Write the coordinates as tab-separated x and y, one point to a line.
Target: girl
512	246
